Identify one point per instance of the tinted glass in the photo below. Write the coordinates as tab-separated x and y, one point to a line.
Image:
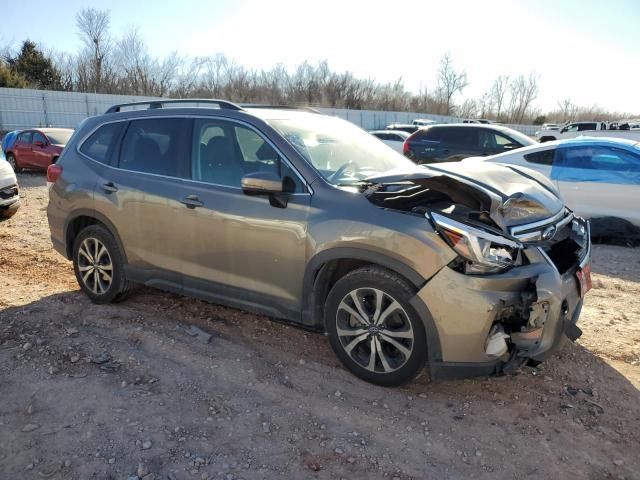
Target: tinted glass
26	137
545	157
101	143
599	158
158	145
586	126
430	134
38	137
222	153
463	136
494	140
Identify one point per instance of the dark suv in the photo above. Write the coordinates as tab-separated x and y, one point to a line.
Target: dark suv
453	142
308	218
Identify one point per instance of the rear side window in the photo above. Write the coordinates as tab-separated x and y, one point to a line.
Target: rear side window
463	136
430	134
544	157
101	143
156	145
26	137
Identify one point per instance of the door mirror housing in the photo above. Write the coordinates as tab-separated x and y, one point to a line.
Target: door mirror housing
39	143
257	183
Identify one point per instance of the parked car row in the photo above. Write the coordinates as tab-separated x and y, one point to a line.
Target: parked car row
550	132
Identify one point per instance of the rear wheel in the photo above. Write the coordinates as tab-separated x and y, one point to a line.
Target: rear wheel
98	265
373	329
13	162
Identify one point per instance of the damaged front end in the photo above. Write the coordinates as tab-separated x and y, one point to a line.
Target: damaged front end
521	270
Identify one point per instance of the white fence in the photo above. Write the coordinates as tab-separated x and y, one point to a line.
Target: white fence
24	108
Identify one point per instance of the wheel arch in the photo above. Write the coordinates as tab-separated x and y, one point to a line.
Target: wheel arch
82	218
325	268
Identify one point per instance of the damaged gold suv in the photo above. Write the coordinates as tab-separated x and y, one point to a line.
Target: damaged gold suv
469	269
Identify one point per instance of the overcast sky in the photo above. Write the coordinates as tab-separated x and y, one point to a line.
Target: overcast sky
588	51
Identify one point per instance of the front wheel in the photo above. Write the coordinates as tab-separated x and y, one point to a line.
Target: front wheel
99	266
373	329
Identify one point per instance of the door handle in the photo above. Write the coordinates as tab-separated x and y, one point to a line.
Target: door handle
109	187
192	201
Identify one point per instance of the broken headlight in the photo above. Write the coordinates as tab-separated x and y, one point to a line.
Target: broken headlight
482	251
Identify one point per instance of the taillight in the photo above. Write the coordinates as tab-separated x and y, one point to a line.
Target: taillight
53	172
405	146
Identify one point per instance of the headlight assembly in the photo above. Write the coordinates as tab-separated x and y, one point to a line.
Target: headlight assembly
482	250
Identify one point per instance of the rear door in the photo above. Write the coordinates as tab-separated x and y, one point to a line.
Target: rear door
142	193
599	181
457	143
492	142
22	149
40	154
243	249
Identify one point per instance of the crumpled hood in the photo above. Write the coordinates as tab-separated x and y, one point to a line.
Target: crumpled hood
511	195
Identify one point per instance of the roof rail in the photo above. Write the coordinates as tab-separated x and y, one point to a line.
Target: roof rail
282	107
153	104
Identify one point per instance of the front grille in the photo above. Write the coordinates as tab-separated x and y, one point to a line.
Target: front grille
9	192
569	246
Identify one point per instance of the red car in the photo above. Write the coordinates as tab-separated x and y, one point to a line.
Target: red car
37	148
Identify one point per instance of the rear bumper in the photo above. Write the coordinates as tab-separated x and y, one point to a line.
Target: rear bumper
535	304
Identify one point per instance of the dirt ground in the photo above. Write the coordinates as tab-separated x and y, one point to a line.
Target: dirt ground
266	400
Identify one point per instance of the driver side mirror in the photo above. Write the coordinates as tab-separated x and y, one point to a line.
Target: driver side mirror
265	183
39	143
565	129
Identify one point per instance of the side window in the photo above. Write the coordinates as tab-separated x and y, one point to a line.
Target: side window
26	137
101	143
544	157
600	158
222	153
156	145
571	128
430	134
586	126
463	136
38	137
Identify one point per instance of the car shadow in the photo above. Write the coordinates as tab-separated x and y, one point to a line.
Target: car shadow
575	410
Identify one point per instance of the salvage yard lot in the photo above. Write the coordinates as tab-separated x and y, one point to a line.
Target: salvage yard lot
264	400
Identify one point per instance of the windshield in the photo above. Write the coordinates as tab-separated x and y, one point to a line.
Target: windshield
519	137
59	137
342	153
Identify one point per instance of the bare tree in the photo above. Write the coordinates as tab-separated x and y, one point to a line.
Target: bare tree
449	82
93	28
523	90
498	93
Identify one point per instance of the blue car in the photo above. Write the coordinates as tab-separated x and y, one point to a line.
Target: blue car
596	176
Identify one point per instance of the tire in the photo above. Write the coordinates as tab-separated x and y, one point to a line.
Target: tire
93	275
11	158
397	336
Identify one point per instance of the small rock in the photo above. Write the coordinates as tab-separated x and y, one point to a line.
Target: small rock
301	361
339	451
351	460
146	445
29	467
266	427
338	393
27	346
478	453
149	476
112	461
30	427
74	358
618	462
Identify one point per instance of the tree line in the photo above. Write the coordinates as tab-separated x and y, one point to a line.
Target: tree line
124	65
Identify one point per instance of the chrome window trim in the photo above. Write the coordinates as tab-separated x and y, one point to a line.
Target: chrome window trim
542	223
214	117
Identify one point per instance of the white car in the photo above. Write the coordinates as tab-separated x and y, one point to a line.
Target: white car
394	138
9	197
596	177
576	129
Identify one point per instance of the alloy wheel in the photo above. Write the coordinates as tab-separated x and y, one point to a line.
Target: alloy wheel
95	265
374	330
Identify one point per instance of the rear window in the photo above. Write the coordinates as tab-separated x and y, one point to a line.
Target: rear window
159	146
101	143
430	134
544	157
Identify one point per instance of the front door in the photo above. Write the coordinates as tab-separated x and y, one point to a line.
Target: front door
22	150
240	249
599	181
